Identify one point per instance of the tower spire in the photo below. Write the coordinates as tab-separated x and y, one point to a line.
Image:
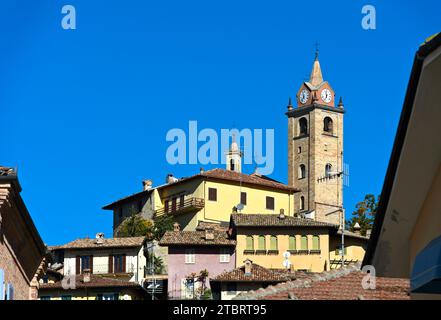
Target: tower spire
316	77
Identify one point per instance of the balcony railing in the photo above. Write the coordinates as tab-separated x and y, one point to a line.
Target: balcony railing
179	207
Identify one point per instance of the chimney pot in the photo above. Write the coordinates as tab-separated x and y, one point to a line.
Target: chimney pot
209	234
147	184
248	267
282	214
86	275
176	227
99	238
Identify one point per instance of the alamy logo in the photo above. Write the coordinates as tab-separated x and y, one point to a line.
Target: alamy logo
206	147
369	20
368	281
69	21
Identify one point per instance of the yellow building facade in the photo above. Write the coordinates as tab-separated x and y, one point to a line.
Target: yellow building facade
213	195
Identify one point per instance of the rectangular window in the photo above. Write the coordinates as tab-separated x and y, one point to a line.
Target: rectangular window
273	243
181	201
224	255
250	243
190	256
270	203
315	243
173	204
86	263
292	243
118	263
304	243
262	243
212	194
166	206
243	198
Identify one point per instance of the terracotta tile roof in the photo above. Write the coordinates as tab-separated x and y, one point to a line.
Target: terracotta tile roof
96	281
258	274
133	196
202	225
107	243
353	235
7	171
196	238
274	220
250	179
337	284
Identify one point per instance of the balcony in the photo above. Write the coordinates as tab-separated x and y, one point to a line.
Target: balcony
179	207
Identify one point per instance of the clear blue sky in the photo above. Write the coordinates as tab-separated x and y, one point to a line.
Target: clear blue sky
85	112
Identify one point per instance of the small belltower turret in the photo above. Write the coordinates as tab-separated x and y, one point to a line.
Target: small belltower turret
234	157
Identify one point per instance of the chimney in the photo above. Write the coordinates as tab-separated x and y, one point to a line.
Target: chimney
147	184
357	228
282	214
209	234
368	233
176	227
99	238
170	178
248	267
86	275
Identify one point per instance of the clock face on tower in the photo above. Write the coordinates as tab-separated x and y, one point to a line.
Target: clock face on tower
326	95
304	96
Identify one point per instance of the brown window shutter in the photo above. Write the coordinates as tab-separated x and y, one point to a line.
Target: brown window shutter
270	203
78	265
243	198
91	264
212	194
110	263
124	263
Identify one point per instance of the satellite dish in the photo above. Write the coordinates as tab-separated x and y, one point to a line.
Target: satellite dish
240	206
286	254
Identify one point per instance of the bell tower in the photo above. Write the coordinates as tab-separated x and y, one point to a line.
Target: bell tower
315	149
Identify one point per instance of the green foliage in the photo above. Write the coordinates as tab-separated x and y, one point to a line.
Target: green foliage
161	225
135	226
364	214
158	264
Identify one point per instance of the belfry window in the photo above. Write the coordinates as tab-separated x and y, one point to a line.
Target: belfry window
303	126
232	165
327	125
302	203
328	170
302	171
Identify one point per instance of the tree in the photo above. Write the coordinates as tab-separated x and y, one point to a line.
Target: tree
161	225
364	214
135	226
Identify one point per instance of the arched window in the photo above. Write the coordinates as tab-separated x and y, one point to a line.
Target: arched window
303	126
292	243
232	164
302	203
304	243
315	243
262	245
299	150
302	171
250	243
328	170
273	243
327	125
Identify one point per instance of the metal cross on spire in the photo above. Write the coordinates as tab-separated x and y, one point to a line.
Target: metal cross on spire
316	44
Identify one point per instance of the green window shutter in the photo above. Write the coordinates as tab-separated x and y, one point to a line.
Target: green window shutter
315	243
273	243
250	243
292	242
304	243
261	242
